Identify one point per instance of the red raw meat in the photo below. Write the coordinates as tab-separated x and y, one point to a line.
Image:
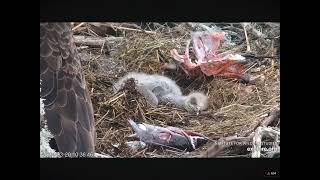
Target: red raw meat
205	46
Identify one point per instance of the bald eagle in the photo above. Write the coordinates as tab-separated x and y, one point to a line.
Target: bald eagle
67	103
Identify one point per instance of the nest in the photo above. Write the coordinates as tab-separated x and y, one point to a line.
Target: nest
234	108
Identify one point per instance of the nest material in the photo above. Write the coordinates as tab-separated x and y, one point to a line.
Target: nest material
234	108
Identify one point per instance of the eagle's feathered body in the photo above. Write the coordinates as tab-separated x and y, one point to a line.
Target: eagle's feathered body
68	107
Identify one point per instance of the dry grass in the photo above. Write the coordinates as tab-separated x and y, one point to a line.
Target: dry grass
234	108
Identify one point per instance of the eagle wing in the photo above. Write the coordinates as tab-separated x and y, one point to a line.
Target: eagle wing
68	107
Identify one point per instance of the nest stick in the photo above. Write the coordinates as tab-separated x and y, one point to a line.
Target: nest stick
97	155
246	35
131	29
95	41
273	116
98	122
77	26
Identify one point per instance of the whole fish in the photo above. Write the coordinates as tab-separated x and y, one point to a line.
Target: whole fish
168	137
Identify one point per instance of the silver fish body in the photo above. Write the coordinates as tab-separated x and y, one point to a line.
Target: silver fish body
168	137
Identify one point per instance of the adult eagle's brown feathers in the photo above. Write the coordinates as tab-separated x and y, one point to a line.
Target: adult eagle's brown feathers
68	107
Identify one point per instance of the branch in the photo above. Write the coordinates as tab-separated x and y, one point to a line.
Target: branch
223	144
273	116
95	41
261	131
